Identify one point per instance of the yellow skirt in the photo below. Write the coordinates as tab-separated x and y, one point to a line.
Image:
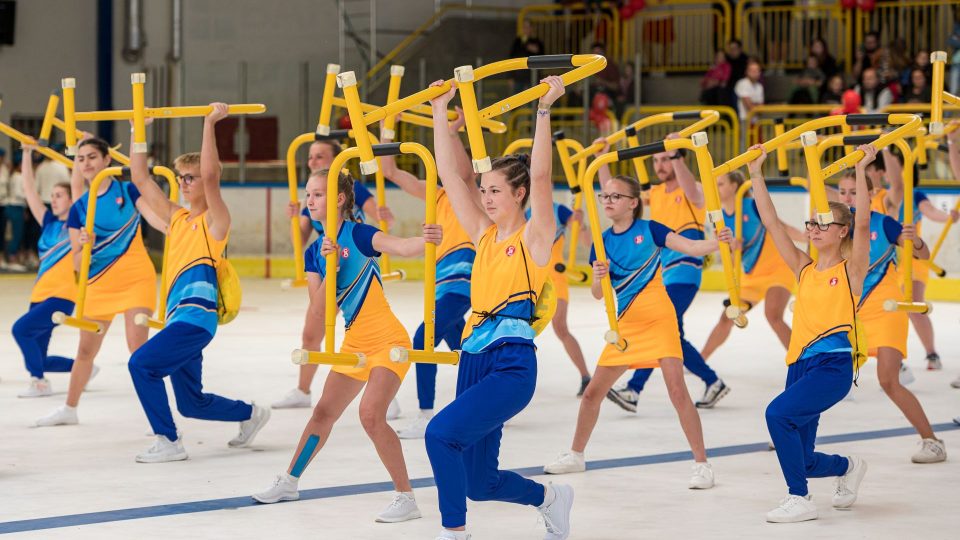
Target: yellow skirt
770	271
560	286
377	352
650	327
921	272
885	328
130	283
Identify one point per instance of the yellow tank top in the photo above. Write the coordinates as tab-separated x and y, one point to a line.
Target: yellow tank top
877	203
503	292
192	256
674	210
823	315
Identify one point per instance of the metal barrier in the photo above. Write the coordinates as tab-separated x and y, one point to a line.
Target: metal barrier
763	121
780	34
724	136
676	35
922	24
574	27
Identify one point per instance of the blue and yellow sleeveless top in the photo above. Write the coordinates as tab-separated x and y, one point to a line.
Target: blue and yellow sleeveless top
884	233
918	197
191	271
635	258
675	211
823	315
116	226
754	233
455	254
503	292
55	278
360	196
561	215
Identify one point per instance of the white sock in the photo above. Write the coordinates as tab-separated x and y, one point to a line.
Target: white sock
549	496
426	413
578	454
68	408
407	493
292	479
458	535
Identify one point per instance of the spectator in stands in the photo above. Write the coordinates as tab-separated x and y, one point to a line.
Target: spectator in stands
921	61
749	90
713	86
738	67
827	63
608	80
832	91
526	44
627	88
867	55
811	70
14	209
873	95
805	91
953	85
918	91
850	104
4	182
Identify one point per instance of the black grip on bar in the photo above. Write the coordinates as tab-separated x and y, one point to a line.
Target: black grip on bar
386	149
872	119
558	135
643	150
777	181
778	120
856	140
943	147
550	61
336	134
630	131
125	174
922	166
576	189
686	115
646	187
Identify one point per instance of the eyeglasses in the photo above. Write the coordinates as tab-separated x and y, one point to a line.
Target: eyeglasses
613	197
817	225
187	179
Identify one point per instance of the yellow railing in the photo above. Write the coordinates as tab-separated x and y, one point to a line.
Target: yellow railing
780	35
676	35
573	28
922	24
389	58
724	136
760	125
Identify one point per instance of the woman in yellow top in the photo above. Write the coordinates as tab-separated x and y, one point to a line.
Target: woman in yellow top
821	356
764	277
371	329
55	288
498	363
122	278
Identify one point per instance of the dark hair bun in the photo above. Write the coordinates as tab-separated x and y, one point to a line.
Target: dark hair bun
524	159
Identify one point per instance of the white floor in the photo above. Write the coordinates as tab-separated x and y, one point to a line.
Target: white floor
64	471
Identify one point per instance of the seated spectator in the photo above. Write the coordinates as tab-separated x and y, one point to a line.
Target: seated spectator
713	86
828	64
526	44
918	90
921	61
805	90
608	80
811	70
749	90
627	87
831	93
868	54
873	96
738	67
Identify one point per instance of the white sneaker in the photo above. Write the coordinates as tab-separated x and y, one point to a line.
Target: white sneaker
625	397
793	509
163	450
37	388
847	486
418	428
63	415
393	411
250	428
556	515
714	393
16	267
906	375
931	451
295	399
702	477
453	535
403	507
284	488
567	462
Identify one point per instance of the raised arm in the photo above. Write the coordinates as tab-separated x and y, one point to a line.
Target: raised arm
933	213
698	248
894	173
408	182
159	210
542	227
465	205
691	188
464	165
218	215
795	258
407	247
859	259
603	173
37	208
794	233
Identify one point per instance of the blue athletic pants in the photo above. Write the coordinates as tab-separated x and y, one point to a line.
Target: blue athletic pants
32	333
463	439
450	310
681	296
813	385
177	352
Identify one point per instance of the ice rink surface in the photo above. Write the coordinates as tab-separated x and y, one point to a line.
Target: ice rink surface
82	481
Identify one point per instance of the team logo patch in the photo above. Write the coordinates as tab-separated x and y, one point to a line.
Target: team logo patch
345	253
511	250
119	201
746	218
638	239
873	235
679	199
193	227
834	281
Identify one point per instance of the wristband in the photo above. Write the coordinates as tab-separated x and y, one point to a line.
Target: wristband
676	156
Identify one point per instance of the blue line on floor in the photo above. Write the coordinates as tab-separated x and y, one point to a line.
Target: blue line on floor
109	516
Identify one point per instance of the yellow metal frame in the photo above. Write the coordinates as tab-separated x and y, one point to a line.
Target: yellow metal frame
159	321
77	321
25	139
138	114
